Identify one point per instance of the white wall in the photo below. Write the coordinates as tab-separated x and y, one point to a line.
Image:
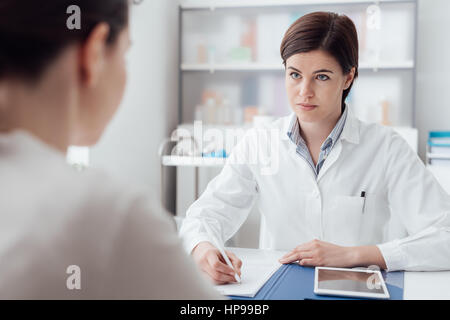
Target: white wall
433	69
149	110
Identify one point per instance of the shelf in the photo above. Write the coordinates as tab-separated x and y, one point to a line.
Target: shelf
223	4
387	65
441	156
177	161
279	67
232	67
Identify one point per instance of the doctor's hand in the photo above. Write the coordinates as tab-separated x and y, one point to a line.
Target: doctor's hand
210	261
319	253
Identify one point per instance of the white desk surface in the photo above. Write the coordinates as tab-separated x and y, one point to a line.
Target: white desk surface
427	285
417	285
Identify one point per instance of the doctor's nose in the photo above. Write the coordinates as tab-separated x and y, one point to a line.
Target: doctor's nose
305	90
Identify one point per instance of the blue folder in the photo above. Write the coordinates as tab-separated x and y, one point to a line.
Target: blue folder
294	282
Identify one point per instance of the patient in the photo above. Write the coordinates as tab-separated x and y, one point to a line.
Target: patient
63	234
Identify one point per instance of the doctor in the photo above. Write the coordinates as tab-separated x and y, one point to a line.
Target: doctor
65	234
338	180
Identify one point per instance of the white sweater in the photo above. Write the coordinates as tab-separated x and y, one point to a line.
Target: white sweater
52	217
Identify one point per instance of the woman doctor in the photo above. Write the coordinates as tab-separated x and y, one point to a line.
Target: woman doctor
334	181
63	234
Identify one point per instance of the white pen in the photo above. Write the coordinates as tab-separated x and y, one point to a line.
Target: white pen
221	250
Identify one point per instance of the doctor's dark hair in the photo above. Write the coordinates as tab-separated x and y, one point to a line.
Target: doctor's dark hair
33	32
333	33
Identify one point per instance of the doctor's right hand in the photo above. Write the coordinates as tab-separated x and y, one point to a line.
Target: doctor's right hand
211	262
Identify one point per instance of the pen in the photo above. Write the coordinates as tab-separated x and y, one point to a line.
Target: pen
363	194
221	250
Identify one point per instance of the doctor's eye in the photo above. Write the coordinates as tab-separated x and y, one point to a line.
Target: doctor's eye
323	77
295	75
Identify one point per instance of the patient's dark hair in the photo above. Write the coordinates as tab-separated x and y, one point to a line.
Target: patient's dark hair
328	31
34	32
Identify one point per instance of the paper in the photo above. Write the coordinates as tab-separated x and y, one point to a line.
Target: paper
257	267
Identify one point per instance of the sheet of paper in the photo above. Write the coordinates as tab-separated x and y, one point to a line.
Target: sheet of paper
257	267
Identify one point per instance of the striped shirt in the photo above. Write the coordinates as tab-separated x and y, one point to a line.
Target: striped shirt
325	149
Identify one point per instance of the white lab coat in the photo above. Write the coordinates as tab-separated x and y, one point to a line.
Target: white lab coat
52	217
296	207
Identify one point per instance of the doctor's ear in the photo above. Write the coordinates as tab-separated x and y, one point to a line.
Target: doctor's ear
93	55
349	77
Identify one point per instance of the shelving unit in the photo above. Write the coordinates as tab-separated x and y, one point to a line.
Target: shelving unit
275	67
176	161
208	17
226	4
438	157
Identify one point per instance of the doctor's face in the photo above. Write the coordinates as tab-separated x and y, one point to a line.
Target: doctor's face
315	83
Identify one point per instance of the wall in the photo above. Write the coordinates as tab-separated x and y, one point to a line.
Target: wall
433	67
149	110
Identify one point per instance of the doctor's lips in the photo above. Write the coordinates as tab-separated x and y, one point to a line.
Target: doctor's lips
306	106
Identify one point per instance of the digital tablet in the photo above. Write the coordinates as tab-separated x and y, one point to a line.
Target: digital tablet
361	283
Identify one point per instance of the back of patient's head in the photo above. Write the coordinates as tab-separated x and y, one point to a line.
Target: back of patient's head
66	59
33	33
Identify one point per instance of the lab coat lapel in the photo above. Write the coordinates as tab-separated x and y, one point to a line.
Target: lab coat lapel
350	133
293	154
333	156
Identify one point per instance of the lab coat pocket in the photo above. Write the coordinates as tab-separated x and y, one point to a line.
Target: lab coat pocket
376	224
343	216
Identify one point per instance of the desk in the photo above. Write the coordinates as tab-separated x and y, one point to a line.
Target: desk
427	285
417	285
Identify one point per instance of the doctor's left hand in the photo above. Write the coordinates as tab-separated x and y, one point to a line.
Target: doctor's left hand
320	253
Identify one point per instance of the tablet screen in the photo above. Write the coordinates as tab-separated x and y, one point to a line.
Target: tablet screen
356	281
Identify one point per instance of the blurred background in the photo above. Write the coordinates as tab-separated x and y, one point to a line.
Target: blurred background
218	61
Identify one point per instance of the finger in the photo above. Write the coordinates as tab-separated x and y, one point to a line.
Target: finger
233	269
288	258
215	262
219	277
287	254
235	261
207	271
292	256
302	247
307	263
297	256
305	255
209	275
